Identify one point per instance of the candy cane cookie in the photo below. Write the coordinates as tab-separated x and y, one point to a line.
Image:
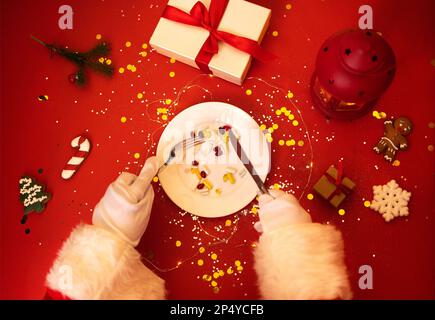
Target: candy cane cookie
83	146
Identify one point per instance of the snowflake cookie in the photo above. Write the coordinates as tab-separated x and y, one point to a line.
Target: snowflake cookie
390	200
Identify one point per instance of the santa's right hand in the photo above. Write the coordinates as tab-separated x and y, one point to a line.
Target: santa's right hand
279	210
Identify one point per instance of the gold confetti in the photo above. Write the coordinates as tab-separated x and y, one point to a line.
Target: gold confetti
230	270
248	92
301	143
172	74
310	196
216	290
290	95
396	163
295	123
128	44
367	204
214	283
228	223
262	127
288	6
206	277
276	186
216	275
98	36
178	243
291	142
156	179
140	95
275	33
237	263
133	69
143	54
168	101
123	119
341	212
137	155
43	97
430	147
144	46
254	210
281	142
278	112
200	262
172	60
239	268
121	70
201	250
101	60
164	117
213	256
221	273
270	130
291	117
283	109
275	126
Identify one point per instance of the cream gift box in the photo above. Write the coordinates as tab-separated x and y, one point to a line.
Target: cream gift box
183	42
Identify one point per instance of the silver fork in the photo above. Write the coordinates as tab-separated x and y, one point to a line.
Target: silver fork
184	144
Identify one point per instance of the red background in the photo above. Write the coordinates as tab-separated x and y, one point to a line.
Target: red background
37	134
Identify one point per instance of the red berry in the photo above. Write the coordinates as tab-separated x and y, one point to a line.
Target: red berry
217	151
203	174
72	78
224	128
200	186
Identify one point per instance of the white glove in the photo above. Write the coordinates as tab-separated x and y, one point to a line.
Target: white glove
279	210
126	206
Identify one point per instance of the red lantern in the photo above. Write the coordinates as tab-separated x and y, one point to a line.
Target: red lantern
353	69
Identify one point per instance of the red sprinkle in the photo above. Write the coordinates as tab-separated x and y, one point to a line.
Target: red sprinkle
195	163
203	174
200	186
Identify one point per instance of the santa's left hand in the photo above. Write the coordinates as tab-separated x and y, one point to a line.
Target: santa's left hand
126	206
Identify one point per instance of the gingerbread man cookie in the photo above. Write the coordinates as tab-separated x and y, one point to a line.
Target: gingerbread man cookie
394	137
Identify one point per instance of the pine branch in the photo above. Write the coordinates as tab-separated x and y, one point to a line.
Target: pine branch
83	59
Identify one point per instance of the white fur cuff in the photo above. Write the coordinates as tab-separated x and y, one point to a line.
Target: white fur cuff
96	264
302	261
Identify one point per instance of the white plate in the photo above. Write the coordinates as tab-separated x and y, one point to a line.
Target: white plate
178	181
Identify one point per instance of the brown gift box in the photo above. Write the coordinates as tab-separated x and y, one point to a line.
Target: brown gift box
328	189
183	42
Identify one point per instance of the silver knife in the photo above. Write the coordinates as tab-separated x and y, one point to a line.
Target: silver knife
247	163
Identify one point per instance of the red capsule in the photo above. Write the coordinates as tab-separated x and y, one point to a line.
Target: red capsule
200	186
195	163
203	174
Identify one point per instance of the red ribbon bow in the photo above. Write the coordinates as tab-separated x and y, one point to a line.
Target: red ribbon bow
199	16
338	181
